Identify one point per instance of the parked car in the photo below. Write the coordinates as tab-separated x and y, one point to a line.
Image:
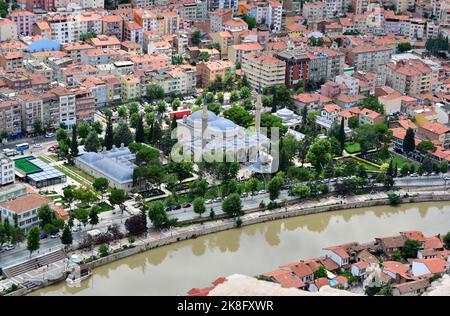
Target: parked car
8	247
137	205
49	135
54	236
168	208
177	207
76	229
186	205
37	145
244	195
208	201
43	236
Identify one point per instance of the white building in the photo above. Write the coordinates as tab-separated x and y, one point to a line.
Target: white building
338	255
7	169
430	266
351	83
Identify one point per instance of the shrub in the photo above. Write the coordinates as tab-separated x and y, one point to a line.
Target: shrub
103	250
238	222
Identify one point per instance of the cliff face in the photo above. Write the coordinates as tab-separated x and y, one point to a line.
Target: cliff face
440	287
242	285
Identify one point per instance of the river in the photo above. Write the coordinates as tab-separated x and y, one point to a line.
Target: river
251	250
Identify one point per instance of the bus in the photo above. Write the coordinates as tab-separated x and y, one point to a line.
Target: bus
23	146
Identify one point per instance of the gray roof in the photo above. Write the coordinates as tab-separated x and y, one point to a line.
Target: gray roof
115	164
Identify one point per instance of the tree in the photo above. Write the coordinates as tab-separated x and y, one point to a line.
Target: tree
103	250
46	215
239	115
203	56
410	249
443	166
232	205
251	21
321	272
234	96
158	216
196	35
74	143
182	170
136	225
274	187
109	135
268	121
93	215
245	92
199	187
69	195
214	107
409	143
252	185
140	130
82	216
404	170
92	143
394	199
427	164
97	127
341	136
155	92
101	185
447	240
66	237
117	197
353	122
403	47
83	129
37	126
199	205
122	134
426	146
33	240
373	104
319	154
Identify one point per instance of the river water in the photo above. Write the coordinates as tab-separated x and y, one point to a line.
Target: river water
251	250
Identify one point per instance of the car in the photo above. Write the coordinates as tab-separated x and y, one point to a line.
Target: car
168	209
262	191
49	135
76	229
186	205
433	173
414	175
43	236
208	201
244	195
137	205
177	207
8	247
37	145
54	236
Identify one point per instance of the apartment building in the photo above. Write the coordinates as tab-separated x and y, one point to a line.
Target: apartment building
369	57
8	30
224	39
114	89
208	71
297	62
32	109
64	28
179	79
10	116
314	11
90	23
105	42
11	60
437	133
133	32
84	104
146	19
324	63
142	3
264	12
214	5
113	26
67	106
235	52
218	17
168	23
351	84
411	77
7	169
194	10
24	21
263	70
130	88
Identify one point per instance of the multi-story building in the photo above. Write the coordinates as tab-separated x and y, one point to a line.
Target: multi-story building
105	42
179	79
146	19
264	12
114	88
88	4
113	26
214	5
436	133
25	207
32	110
10	116
67	106
333	8
324	63
410	76
8	30
47	5
11	60
218	17
90	23
369	57
360	6
84	105
234	25
130	88
351	84
314	11
142	3
224	39
235	52
133	32
195	10
7	169
168	23
24	21
263	70
208	71
403	5
296	66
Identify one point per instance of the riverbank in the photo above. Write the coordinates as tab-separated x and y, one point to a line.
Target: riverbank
155	240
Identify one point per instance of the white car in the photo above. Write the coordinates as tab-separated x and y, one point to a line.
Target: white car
8	247
37	146
76	229
49	135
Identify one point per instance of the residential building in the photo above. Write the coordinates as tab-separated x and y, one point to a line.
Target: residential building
314	11
11	117
208	71
235	52
297	62
217	18
113	26
411	77
7	169
263	70
369	57
429	267
437	133
24	21
8	30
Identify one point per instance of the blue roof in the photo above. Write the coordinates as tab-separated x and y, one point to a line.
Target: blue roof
44	45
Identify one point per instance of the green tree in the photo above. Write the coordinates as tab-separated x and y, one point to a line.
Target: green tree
158	216
251	22
427	164
97	127
426	146
82	216
443	166
239	115
341	137
83	129
66	237
46	215
321	272
122	134
252	185
319	154
409	143
103	249
37	126
373	104
203	56
101	185
447	240
403	47
140	130
199	205
232	205
410	249
404	170
109	135
274	187
92	143
74	143
33	240
155	92
93	215
117	197
196	35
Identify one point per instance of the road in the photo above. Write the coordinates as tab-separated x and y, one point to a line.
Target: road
20	253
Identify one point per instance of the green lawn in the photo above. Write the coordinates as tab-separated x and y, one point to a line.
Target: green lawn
352	148
80	173
366	165
104	207
26	166
400	161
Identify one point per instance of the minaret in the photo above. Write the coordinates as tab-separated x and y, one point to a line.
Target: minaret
258	107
